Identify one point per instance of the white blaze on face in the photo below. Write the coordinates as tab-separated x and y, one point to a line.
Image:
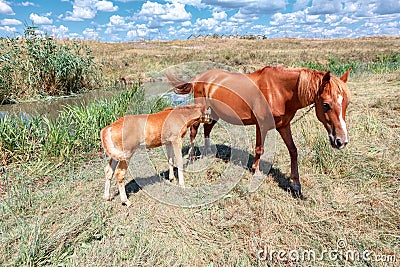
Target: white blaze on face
342	122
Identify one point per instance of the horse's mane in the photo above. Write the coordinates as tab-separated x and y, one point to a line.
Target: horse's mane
309	82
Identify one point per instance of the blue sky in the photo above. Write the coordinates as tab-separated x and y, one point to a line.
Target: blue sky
133	20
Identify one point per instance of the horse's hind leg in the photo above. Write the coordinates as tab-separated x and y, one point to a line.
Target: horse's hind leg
109	172
119	175
261	133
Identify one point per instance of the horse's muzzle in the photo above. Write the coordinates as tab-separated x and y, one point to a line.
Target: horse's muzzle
338	143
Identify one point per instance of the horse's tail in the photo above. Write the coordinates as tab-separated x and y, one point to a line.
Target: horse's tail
109	147
180	87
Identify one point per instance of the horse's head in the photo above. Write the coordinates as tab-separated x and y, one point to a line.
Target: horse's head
330	105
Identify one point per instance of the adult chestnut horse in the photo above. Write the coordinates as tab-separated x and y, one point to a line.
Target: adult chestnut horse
277	91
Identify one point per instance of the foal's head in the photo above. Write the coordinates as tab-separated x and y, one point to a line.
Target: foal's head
330	105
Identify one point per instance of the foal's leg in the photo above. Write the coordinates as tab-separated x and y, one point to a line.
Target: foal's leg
207	130
109	171
286	135
119	175
177	146
170	157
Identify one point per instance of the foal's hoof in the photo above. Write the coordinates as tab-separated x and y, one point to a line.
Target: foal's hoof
127	203
295	189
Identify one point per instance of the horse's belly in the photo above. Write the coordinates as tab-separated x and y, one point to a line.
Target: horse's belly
238	115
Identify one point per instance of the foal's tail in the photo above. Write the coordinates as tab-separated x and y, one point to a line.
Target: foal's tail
109	147
180	87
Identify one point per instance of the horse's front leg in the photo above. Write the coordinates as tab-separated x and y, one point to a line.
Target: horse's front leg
286	135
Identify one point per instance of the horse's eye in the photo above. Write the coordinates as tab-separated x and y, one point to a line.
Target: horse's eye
326	107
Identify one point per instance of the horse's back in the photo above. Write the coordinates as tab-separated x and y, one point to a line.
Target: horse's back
232	95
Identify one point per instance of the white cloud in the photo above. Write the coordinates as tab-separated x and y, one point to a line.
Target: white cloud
87	9
325	7
388	7
187	23
40	19
151	9
347	20
106	6
81	11
219	15
241	17
331	18
157	15
27	4
10	22
116	20
58	32
90	34
8	29
206	24
195	3
300	5
5	8
249	7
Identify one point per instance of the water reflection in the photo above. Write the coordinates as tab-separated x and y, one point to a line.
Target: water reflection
52	107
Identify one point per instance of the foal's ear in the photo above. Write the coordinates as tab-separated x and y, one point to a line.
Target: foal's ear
346	75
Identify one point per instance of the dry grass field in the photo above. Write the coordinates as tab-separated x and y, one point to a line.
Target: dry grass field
53	213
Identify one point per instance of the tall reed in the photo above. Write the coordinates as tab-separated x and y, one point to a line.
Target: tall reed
37	65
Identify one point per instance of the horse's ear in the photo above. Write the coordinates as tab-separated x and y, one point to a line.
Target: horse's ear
325	80
346	75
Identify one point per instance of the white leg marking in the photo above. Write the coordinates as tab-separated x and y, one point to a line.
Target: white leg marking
207	146
177	147
170	156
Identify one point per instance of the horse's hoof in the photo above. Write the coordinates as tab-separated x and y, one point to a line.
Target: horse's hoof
295	189
107	197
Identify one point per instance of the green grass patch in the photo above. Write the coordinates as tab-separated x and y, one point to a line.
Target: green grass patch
384	63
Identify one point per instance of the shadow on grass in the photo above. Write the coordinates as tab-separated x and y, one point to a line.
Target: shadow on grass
224	153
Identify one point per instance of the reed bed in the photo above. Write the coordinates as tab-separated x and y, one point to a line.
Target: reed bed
36	65
74	132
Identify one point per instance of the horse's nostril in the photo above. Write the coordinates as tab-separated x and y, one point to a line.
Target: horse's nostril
339	142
